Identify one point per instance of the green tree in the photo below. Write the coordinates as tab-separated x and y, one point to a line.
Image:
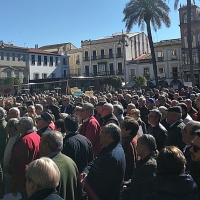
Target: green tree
140	80
115	81
149	12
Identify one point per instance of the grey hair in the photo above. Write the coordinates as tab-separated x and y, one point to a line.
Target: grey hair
175	102
163	110
195	126
109	106
16	110
2	113
56	140
38	106
132	104
119	108
158	114
143	99
149	141
13	123
188	101
114	131
89	107
27	122
63	115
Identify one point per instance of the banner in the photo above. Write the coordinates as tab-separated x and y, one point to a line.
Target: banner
78	93
89	93
6	86
187	84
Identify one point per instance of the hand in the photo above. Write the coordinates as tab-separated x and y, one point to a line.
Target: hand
82	176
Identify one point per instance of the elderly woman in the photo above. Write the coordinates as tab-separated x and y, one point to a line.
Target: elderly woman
43	177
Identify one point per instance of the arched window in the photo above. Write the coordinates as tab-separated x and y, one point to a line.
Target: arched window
185	18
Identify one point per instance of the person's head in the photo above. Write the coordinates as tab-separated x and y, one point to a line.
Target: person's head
38	109
2	113
141	101
65	100
49	100
130	106
146	144
110	133
190	88
170	161
25	124
60	125
99	107
154	117
174	114
197	102
175	96
188	103
129	127
118	109
44	120
135	113
189	131
161	99
163	111
8	105
41	174
71	123
78	112
107	109
135	99
31	110
51	141
87	110
184	108
174	103
192	97
128	98
11	126
13	113
150	103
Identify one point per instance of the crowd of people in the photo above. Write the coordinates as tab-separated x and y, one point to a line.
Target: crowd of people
115	145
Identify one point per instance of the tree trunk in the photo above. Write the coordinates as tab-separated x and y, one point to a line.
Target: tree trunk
189	40
152	52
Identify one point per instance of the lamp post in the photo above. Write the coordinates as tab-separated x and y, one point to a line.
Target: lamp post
124	43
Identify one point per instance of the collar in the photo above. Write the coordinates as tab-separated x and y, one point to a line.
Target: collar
173	124
85	120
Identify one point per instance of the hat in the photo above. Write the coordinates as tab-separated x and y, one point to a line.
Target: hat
46	117
176	109
101	103
151	100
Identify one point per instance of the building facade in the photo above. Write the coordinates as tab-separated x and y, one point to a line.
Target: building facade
195	26
108	55
169	61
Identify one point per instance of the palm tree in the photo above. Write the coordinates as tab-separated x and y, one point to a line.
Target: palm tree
149	12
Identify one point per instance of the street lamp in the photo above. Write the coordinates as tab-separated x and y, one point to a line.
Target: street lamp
125	44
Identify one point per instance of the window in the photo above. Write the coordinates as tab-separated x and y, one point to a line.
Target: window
102	68
95	70
111	69
8	56
24	74
160	54
146	71
120	72
110	53
132	72
37	76
87	70
44	76
33	59
53	75
64	61
64	73
160	70
77	59
13	56
24	57
51	61
2	55
102	54
94	55
8	73
16	74
173	53
18	57
185	18
56	61
45	60
86	56
39	60
119	52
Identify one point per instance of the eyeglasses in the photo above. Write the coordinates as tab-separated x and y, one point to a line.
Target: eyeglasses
195	147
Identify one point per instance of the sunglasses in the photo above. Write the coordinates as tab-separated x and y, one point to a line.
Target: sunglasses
195	147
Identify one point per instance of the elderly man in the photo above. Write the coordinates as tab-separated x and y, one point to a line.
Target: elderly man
185	116
105	174
13	113
38	109
156	129
174	137
196	116
107	114
25	150
191	110
130	106
51	146
150	104
90	127
31	111
51	106
66	107
162	101
118	112
163	119
76	146
143	110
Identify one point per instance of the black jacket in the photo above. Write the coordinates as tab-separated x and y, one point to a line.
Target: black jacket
67	109
79	149
174	187
55	111
110	117
159	133
144	114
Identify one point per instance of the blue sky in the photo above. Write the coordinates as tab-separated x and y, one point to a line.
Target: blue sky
44	22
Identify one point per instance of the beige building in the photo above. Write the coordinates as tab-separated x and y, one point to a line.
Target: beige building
108	55
169	62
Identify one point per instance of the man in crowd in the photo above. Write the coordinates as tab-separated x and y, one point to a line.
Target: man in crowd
196	116
118	112
51	106
66	107
38	109
162	101
143	110
105	174
174	137
90	127
185	116
156	129
150	104
13	113
76	146
191	110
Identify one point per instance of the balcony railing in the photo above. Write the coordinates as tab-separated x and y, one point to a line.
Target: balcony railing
147	76
174	57
162	75
77	61
111	56
86	58
119	55
102	57
94	57
105	73
160	58
175	75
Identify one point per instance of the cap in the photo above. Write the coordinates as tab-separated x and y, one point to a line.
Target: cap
176	109
151	100
46	117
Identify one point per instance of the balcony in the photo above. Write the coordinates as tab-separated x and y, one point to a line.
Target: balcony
160	58
110	56
174	75
119	55
174	57
94	57
87	58
162	75
77	61
105	73
147	76
102	57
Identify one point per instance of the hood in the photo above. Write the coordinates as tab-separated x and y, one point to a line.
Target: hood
175	185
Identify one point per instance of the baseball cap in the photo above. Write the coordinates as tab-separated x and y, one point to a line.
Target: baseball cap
46	117
151	100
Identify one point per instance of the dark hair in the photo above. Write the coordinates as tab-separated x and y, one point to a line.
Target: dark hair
149	141
71	123
158	114
130	124
114	131
170	161
60	124
183	106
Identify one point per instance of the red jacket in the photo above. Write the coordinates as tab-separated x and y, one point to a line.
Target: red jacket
196	116
25	150
91	130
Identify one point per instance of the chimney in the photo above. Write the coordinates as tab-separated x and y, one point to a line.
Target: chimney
36	46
